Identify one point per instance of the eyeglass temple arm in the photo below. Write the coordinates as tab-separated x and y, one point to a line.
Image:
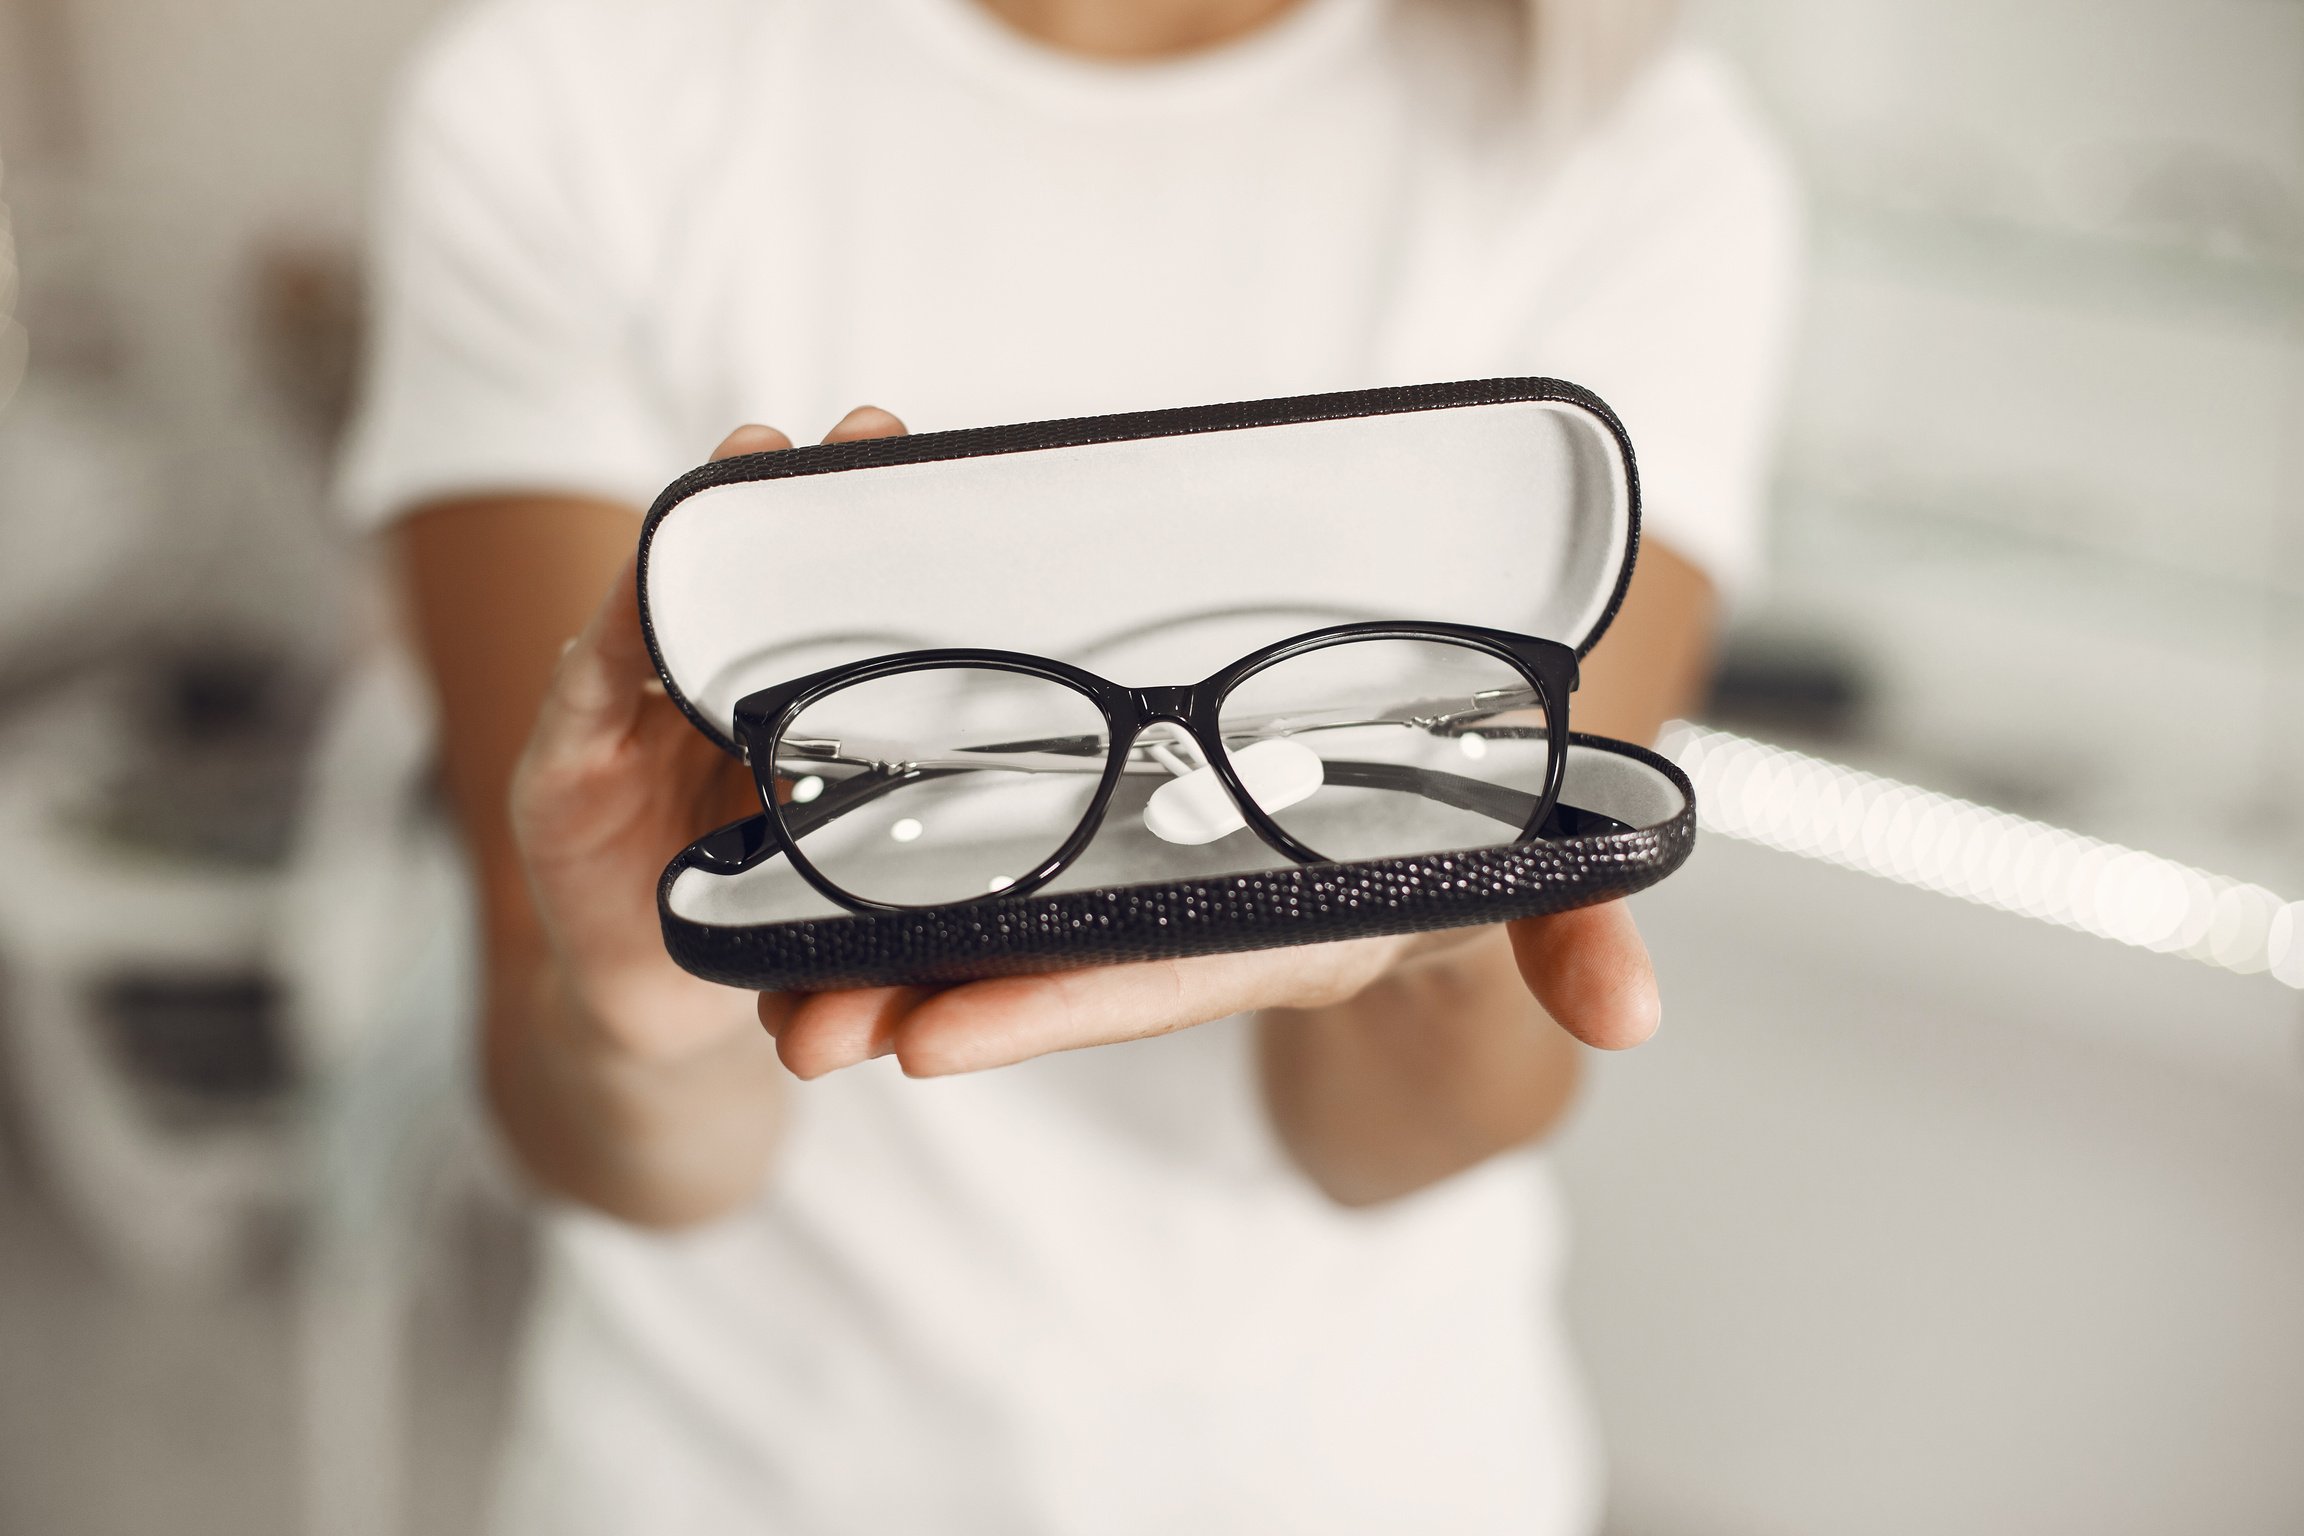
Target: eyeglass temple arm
1493	801
732	847
1070	752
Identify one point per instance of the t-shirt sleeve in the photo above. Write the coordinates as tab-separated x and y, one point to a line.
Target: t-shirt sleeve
500	353
1680	315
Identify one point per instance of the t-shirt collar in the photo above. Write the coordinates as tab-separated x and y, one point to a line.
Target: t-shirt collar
1308	34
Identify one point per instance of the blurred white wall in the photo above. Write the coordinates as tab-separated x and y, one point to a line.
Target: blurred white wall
1919	1217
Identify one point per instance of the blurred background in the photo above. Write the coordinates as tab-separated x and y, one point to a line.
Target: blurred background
1965	1189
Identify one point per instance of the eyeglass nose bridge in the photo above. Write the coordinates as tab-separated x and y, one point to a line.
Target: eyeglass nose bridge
1164	704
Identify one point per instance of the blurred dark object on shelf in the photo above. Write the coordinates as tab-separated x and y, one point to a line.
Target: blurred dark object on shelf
215	767
198	1045
307	305
89	551
1790	686
2189	196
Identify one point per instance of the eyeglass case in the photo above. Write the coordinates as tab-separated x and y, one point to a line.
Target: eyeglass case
1152	548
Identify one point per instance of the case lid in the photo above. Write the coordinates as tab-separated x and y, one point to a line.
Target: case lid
1151	548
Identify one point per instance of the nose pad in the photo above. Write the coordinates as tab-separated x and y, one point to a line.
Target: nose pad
1195	807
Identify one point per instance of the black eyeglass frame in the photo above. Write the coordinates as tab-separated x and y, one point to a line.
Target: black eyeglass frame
761	719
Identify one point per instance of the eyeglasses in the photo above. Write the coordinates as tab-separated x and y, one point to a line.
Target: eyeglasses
934	777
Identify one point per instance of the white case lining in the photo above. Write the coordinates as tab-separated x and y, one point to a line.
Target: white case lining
1515	515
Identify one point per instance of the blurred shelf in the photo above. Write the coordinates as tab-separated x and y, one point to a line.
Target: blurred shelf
1840	530
2133	278
2014	671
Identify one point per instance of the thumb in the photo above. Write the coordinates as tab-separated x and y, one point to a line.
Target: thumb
603	676
1590	971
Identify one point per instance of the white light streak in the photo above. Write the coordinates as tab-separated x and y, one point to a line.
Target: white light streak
1821	810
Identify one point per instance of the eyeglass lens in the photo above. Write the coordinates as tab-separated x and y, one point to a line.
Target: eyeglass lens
941	785
1422	746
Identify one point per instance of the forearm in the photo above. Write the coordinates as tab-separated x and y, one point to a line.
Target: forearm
668	1115
1439	1066
662	1143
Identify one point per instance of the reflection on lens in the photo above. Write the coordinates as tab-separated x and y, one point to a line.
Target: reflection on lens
940	785
1425	745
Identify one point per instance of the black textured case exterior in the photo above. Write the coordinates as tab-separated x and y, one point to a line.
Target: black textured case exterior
1270	909
1306	904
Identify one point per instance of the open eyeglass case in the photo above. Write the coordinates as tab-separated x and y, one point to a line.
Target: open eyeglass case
1152	548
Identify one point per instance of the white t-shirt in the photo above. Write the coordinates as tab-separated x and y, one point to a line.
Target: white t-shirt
1088	1294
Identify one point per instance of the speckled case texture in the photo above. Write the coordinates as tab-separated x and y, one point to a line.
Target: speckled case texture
1254	909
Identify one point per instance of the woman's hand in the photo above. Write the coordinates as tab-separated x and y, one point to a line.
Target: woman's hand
615	781
618	1079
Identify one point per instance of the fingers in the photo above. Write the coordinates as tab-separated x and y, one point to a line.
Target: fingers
865	421
602	678
1590	971
984	1024
822	1032
605	665
752	438
998	1023
990	1023
605	676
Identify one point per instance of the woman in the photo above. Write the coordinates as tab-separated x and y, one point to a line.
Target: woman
1274	1255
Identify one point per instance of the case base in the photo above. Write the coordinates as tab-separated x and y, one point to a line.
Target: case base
1261	909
